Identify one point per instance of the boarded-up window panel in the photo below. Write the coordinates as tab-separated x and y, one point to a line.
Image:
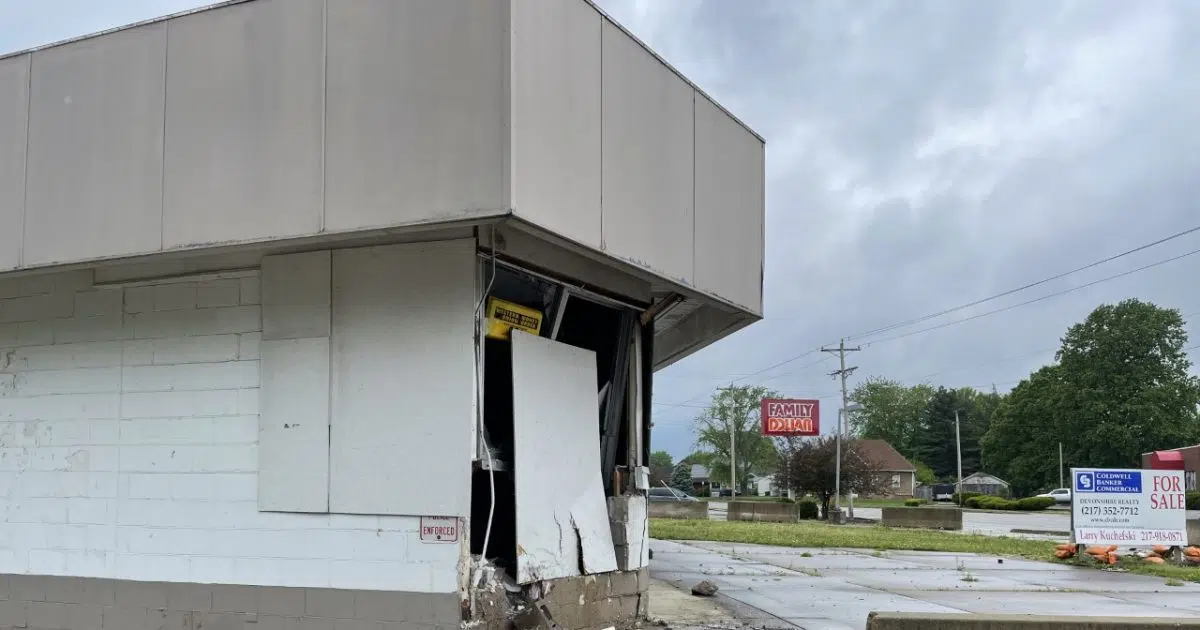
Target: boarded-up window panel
561	508
293	430
403	375
293	427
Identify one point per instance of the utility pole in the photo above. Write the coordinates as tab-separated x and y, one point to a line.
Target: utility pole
958	447
843	372
1060	466
732	456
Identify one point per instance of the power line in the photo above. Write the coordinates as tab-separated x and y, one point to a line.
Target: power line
979	365
1024	287
1035	300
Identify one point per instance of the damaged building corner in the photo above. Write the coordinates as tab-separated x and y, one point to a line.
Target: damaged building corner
422	370
617	598
563	402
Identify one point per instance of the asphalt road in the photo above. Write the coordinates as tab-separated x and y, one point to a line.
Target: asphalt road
990	523
835	589
998	523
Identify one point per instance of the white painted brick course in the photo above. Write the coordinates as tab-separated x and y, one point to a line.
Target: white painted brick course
248	346
72	381
219	293
37	307
100	302
128	447
89	328
139	299
175	297
251	291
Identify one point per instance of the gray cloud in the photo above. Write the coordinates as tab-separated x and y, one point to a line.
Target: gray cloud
920	155
926	154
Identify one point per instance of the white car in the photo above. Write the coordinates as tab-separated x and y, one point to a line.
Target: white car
1060	495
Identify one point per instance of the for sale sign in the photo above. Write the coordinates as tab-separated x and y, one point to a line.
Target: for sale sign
790	417
1130	508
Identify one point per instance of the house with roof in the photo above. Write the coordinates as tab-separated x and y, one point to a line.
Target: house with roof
897	476
345	313
702	485
984	483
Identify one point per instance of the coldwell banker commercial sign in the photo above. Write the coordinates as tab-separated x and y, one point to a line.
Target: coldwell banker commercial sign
790	417
1130	508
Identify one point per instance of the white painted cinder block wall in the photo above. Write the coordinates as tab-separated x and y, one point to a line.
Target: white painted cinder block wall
128	428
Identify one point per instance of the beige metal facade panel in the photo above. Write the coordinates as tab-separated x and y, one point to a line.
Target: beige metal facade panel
245	94
14	104
648	159
416	112
94	186
556	116
729	208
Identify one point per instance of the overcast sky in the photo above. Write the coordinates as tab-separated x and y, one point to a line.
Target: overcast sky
920	155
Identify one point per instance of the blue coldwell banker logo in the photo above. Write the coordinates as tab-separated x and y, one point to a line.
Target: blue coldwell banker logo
1109	481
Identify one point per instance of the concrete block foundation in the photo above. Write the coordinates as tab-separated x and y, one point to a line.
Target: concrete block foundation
923	517
599	601
763	511
690	510
69	603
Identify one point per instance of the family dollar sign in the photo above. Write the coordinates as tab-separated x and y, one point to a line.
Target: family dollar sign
790	417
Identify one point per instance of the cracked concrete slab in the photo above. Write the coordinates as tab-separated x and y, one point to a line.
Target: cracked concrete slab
776	587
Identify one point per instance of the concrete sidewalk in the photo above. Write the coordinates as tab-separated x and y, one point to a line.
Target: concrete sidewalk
777	587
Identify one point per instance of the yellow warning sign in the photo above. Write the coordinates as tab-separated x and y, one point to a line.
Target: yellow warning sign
504	316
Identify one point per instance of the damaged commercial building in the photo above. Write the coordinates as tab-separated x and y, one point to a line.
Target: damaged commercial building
347	311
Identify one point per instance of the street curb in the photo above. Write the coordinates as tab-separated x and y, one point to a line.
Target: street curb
1041	532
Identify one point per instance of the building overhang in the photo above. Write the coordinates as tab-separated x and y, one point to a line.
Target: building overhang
594	159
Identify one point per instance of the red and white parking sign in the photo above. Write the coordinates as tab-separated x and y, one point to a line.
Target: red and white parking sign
787	417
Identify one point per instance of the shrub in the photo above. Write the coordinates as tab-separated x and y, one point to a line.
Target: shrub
972	503
965	496
1193	500
913	502
1034	504
996	503
807	509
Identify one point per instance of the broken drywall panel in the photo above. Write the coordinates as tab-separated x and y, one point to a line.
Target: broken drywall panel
556	458
589	517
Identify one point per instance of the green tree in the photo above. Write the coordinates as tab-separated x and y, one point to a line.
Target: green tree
1021	445
661	466
925	474
890	411
1120	388
681	477
735	410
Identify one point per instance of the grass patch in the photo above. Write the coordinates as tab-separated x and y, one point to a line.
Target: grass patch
1173	582
811	534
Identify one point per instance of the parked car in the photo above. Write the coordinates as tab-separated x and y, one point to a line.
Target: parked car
670	494
1060	495
943	492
